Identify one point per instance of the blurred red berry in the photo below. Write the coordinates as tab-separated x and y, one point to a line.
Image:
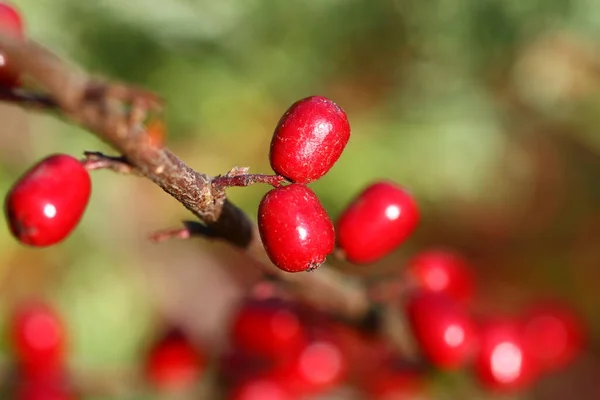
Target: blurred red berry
10	24
441	271
47	202
43	390
268	328
395	384
173	363
295	228
553	334
376	222
502	363
318	367
309	139
363	351
443	329
260	389
236	366
38	338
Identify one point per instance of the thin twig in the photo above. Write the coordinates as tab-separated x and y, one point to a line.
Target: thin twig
94	160
26	99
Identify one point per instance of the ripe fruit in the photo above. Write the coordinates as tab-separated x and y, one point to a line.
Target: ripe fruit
38	339
43	390
10	24
441	271
173	362
363	350
309	139
267	328
376	222
442	328
47	202
395	384
295	228
502	363
319	366
260	389
552	335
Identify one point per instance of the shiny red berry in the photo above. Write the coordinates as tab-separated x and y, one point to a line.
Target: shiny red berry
295	228
268	328
10	24
38	338
47	202
173	362
502	364
376	222
441	271
443	329
553	334
309	139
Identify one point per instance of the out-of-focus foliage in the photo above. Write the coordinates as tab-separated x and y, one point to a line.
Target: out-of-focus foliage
486	109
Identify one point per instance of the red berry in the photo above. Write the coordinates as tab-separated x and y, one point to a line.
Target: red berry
260	389
317	367
442	328
236	366
268	328
395	384
38	338
174	363
552	334
309	139
376	222
502	363
295	228
10	24
364	351
47	202
43	390
442	271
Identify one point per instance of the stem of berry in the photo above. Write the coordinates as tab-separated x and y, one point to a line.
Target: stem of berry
242	180
190	229
94	160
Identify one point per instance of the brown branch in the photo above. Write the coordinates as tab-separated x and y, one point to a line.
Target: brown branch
26	99
241	178
115	113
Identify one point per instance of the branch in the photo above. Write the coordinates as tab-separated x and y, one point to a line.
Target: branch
115	113
26	99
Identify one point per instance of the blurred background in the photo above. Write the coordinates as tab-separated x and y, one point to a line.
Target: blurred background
487	110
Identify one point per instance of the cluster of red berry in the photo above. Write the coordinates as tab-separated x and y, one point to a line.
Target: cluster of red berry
283	350
507	353
295	228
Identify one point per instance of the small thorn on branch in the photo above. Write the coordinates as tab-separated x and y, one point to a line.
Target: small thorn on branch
190	229
239	177
94	160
